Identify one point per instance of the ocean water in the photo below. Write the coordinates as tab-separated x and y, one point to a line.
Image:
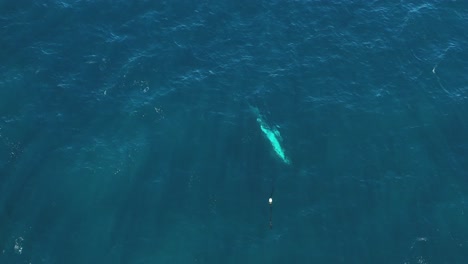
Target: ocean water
127	133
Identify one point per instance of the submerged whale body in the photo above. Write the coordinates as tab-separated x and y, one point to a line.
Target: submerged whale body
273	135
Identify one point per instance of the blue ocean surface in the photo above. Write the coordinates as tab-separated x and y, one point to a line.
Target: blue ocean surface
152	131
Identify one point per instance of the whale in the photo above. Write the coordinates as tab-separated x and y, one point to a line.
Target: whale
272	134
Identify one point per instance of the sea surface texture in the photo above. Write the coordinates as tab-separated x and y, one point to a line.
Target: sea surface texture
147	132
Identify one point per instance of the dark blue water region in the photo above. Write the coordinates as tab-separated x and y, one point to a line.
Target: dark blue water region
143	132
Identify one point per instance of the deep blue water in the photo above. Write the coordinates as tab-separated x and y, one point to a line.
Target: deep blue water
127	133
